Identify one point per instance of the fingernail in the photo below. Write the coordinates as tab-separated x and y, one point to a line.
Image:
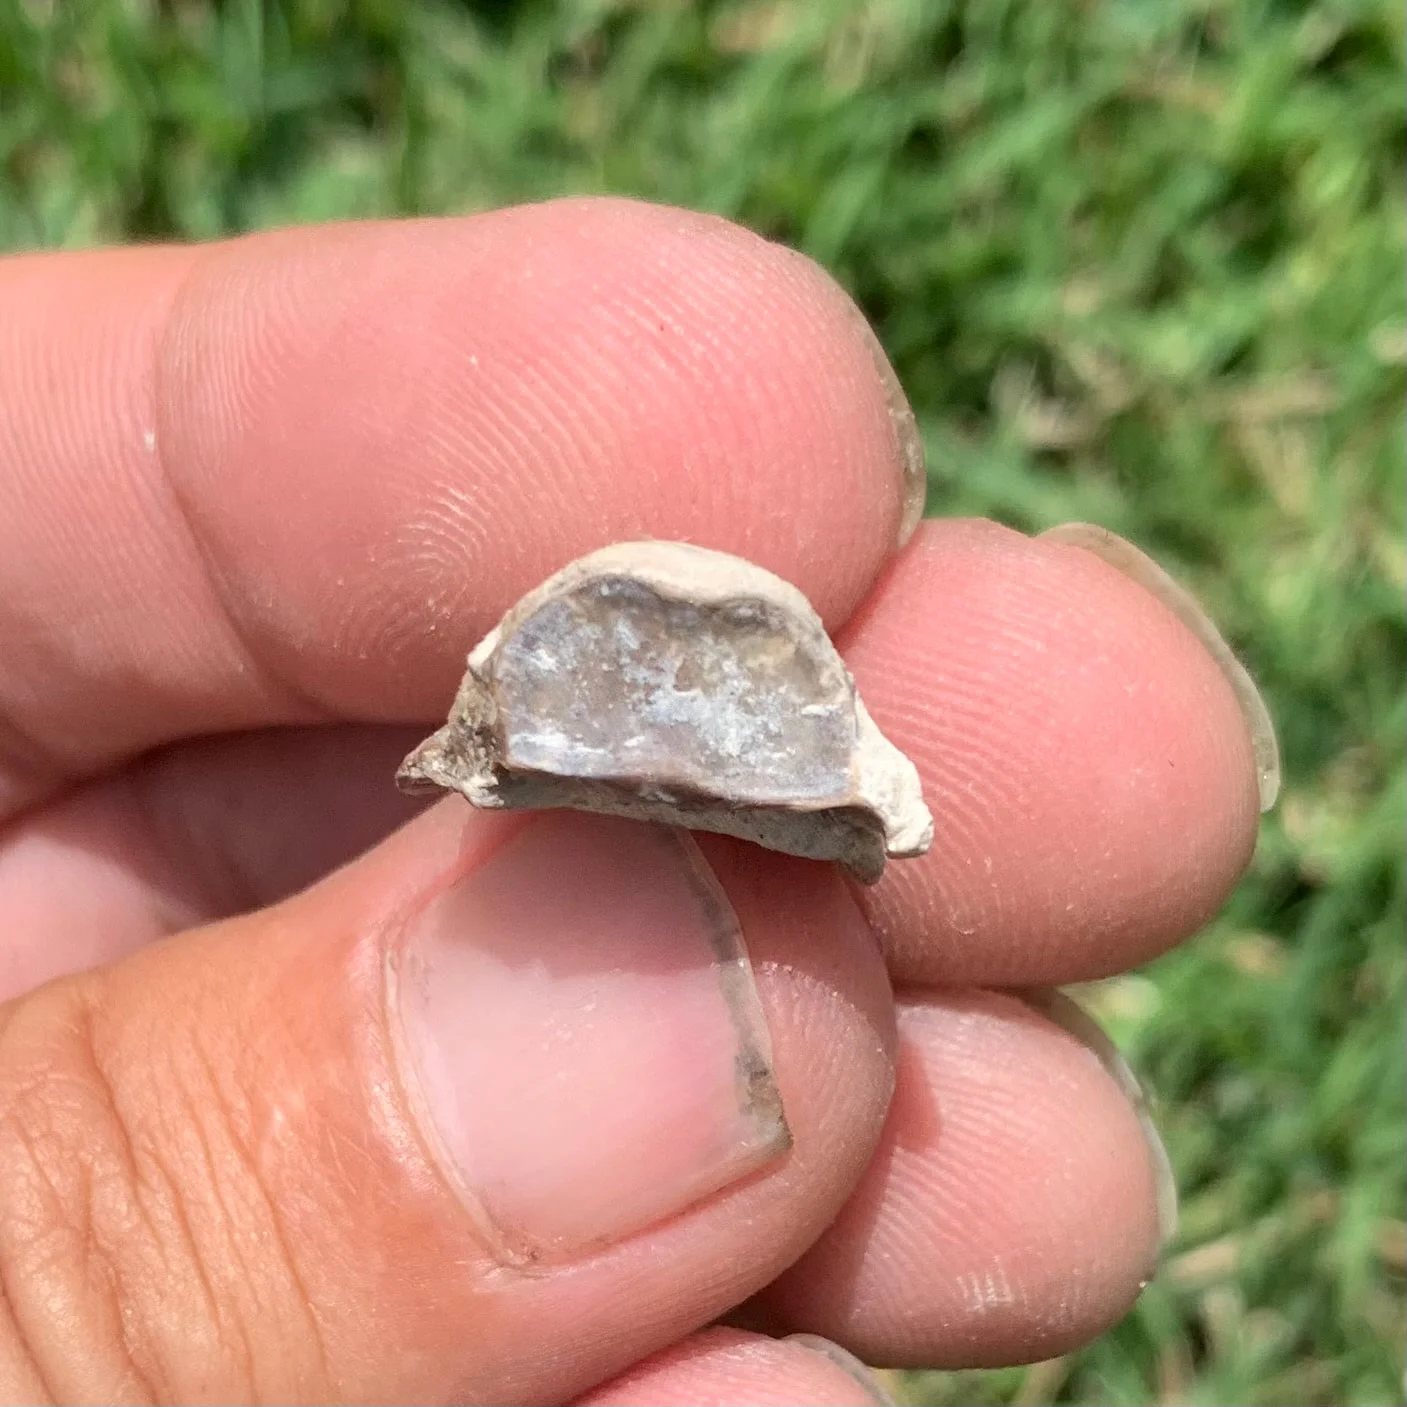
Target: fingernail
907	439
1066	1013
1140	567
581	1035
875	1391
908	442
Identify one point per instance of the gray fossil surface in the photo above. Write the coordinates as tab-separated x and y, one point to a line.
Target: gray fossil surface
673	684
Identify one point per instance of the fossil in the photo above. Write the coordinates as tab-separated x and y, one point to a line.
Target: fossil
670	683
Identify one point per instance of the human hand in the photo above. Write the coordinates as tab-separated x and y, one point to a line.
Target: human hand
460	1119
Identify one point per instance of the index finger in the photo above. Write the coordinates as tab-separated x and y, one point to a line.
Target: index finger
295	476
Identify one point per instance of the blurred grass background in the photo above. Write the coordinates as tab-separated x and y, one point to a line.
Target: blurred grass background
1137	261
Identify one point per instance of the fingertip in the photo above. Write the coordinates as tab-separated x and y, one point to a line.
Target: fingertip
1062	1010
1010	1213
1091	775
1140	568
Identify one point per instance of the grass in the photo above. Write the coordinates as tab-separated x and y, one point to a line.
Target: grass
1136	262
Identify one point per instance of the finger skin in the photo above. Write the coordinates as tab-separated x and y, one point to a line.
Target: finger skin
723	1367
1087	765
1090	774
1010	1213
204	831
305	471
217	1188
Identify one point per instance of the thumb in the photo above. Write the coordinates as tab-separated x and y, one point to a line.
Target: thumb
489	1114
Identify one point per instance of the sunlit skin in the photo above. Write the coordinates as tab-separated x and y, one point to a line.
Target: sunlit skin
257	500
